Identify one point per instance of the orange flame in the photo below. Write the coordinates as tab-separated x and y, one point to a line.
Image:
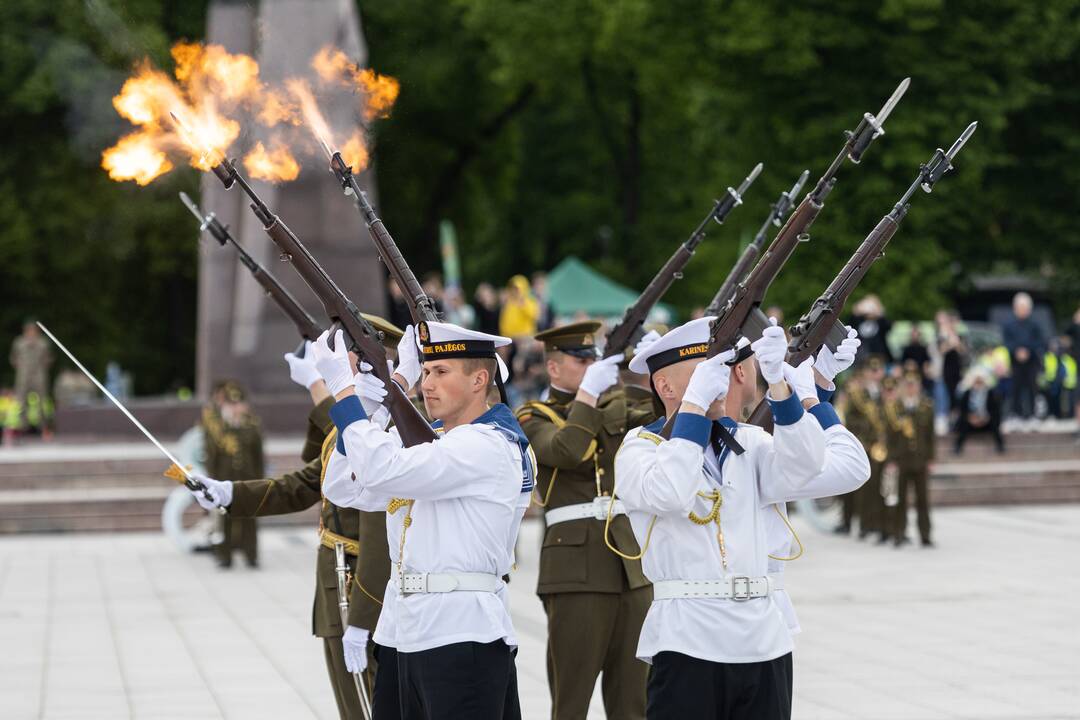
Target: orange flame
196	112
275	165
136	157
380	91
355	153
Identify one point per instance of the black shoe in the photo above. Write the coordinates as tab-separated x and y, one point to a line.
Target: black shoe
883	539
928	544
901	541
842	529
253	564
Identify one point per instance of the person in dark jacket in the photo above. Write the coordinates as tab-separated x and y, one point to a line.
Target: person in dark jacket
1026	343
916	356
980	410
868	317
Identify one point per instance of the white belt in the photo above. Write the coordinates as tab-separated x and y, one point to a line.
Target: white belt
597	510
411	583
736	587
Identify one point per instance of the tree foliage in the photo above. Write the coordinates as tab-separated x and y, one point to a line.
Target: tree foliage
601	128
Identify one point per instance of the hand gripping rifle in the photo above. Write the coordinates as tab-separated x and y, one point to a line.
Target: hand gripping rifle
742	315
362	337
421	306
749	256
305	324
628	330
821	325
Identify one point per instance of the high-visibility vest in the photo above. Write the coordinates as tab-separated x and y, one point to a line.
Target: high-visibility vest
1070	371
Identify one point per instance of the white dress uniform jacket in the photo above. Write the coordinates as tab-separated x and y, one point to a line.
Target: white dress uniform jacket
662	480
471	488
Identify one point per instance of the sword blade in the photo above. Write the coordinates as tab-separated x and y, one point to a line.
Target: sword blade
749	179
118	404
961	141
887	108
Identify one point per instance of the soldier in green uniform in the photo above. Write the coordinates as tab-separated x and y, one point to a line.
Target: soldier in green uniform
31	357
594	592
911	439
362	533
864	418
234	451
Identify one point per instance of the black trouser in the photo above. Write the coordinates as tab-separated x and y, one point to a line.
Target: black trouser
686	688
385	702
462	680
1024	380
965	428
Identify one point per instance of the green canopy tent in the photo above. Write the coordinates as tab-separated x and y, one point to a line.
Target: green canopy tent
574	287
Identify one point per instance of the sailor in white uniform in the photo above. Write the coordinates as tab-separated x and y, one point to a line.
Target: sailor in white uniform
460	499
702	506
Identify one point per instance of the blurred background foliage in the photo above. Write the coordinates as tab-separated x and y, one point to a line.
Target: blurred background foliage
599	128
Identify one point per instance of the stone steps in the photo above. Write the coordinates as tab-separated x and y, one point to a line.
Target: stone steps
63	487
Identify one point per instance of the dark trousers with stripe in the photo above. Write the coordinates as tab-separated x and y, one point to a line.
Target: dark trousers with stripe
462	680
687	688
385	700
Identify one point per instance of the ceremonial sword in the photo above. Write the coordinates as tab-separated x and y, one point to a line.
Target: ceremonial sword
189	480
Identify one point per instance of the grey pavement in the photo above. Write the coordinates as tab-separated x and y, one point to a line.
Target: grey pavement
125	626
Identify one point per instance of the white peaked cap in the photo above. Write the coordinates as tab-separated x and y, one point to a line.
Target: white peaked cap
441	339
440	332
682	343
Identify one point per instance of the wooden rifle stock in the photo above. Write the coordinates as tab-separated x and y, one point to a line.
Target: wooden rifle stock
821	324
305	324
629	328
343	313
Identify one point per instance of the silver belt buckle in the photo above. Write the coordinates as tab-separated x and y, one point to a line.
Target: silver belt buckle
743	594
600	504
415	584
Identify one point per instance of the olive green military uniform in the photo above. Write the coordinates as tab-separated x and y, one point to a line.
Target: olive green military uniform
31	357
912	443
363	533
234	452
595	600
865	419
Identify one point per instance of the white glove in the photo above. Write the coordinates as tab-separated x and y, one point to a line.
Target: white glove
710	380
648	339
302	370
219	490
354	642
408	358
333	365
370	389
830	364
771	349
801	379
601	375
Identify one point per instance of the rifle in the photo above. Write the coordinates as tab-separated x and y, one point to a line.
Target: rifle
821	325
742	315
628	330
779	210
305	324
362	337
421	306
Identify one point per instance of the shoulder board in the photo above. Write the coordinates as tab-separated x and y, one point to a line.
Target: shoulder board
538	408
650	436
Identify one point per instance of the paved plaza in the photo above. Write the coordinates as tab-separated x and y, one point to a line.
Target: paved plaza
124	626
